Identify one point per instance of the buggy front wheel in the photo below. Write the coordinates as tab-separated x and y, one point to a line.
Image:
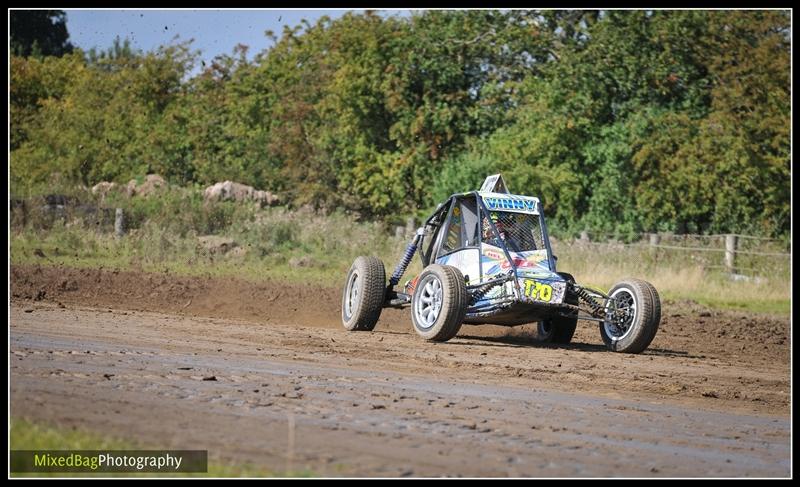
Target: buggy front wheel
439	303
636	310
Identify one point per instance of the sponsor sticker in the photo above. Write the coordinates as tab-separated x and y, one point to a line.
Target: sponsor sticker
537	290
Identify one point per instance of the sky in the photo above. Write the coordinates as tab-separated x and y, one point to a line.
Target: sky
214	31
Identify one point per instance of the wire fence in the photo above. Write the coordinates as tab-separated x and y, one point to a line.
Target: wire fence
608	237
730	253
678	247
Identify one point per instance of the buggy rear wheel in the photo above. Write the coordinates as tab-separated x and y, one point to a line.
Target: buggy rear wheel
364	293
560	329
439	303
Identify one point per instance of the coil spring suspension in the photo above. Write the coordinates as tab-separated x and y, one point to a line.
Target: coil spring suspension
404	262
481	291
597	308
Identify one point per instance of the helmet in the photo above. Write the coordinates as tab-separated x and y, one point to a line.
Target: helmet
487	228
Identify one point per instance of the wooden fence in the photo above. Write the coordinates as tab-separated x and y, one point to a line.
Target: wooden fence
731	245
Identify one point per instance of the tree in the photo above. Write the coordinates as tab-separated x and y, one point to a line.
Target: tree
620	121
107	125
39	33
118	55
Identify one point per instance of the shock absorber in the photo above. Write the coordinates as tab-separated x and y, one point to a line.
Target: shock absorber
478	294
481	291
411	249
597	308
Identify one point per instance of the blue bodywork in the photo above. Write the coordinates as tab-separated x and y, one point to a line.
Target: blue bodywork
508	287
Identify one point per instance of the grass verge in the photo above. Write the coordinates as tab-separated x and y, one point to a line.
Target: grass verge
169	233
31	435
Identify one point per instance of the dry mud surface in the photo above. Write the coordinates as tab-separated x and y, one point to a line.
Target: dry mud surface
263	373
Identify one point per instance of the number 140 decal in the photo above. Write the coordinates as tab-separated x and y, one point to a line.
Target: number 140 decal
538	290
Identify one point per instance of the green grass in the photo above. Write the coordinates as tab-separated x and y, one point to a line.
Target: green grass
302	246
678	277
30	435
298	246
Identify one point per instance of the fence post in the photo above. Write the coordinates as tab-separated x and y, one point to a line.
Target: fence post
119	223
731	242
410	226
655	239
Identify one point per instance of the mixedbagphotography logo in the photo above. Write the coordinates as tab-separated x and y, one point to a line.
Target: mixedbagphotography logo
166	461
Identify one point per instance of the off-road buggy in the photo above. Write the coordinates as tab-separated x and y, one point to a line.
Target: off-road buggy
487	259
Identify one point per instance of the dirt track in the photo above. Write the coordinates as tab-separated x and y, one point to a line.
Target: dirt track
87	349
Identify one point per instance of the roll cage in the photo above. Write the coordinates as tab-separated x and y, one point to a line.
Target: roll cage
434	240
